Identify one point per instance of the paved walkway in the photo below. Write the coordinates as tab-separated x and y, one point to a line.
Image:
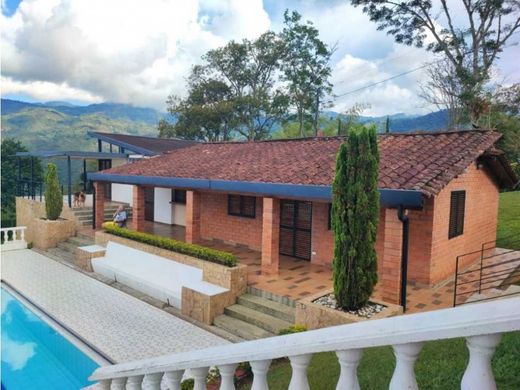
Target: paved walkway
122	327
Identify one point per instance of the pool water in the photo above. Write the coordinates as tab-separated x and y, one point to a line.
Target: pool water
35	356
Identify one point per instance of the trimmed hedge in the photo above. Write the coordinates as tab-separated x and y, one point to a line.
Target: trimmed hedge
200	252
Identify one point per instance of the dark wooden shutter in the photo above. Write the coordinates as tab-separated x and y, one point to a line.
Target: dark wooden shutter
295	229
457	207
248	206
234	204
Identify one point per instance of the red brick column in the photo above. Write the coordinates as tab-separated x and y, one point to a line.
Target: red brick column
193	204
390	269
138	208
271	236
99	188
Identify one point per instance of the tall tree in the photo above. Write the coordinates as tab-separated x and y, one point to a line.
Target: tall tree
9	174
355	216
306	69
443	89
471	43
233	92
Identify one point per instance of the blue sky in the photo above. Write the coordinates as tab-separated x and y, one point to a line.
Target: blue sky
137	52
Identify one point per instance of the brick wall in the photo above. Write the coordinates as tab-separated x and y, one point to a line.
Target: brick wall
99	188
480	221
138	208
216	223
420	243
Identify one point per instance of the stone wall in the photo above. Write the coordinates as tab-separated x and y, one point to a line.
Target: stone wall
42	233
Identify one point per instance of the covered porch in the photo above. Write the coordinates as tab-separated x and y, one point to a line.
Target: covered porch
297	279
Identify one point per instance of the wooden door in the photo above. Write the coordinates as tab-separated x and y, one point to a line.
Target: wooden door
295	229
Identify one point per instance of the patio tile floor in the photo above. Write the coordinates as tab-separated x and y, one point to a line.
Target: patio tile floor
299	278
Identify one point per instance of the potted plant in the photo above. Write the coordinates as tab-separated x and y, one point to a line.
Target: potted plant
52	229
355	217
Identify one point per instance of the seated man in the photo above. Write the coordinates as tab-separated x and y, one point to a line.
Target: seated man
120	216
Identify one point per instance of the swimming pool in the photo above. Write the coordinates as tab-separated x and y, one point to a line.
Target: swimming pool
35	356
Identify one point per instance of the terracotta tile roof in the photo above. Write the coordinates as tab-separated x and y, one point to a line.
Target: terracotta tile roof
418	161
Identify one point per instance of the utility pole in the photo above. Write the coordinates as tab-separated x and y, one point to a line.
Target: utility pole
317	113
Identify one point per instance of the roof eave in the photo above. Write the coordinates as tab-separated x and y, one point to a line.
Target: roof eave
390	198
122	144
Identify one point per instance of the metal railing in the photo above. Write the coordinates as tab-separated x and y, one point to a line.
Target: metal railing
494	269
27	188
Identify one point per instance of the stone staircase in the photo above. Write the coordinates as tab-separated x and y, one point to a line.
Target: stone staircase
255	317
65	249
84	214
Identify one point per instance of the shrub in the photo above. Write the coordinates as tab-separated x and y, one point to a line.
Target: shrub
53	195
200	252
355	216
296	328
188	384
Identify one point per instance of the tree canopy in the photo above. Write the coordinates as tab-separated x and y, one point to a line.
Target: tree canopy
470	43
243	89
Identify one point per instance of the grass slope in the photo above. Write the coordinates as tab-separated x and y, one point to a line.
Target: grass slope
441	364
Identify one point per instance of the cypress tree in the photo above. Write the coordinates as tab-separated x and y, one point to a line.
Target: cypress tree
53	195
355	216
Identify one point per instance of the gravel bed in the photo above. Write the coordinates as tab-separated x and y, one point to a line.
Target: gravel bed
366	311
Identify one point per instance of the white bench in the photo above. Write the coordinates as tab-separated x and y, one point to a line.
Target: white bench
153	275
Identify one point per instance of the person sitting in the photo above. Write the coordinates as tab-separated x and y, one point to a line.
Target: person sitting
120	216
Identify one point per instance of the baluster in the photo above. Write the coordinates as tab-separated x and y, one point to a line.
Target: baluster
227	374
404	375
173	379
259	368
299	366
348	361
104	384
153	381
22	234
478	374
199	375
119	384
135	382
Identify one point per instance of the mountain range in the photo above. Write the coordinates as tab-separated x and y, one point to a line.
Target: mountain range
63	126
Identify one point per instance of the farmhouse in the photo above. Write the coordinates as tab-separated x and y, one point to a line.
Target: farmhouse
439	198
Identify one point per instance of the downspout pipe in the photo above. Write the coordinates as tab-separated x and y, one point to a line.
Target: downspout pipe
404	253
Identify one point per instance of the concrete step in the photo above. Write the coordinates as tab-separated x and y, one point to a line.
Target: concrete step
240	328
80	241
257	318
266	306
67	246
61	254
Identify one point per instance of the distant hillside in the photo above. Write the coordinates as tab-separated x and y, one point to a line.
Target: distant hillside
111	110
61	126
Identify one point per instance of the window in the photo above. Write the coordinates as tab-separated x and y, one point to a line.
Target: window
457	204
242	206
179	196
329	220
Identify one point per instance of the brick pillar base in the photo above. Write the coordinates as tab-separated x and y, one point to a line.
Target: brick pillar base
271	236
138	208
99	189
390	269
192	217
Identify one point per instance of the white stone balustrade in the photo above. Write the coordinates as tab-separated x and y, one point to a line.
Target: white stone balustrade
13	238
480	323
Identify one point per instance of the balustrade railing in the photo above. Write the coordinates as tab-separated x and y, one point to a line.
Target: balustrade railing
481	324
13	238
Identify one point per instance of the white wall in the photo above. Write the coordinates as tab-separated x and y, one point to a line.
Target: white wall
179	214
162	206
122	193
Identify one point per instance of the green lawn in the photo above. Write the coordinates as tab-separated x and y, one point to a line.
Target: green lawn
441	364
508	232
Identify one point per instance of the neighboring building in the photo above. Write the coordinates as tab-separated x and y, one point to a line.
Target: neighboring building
274	197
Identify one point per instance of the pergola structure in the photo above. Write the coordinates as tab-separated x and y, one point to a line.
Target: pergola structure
69	156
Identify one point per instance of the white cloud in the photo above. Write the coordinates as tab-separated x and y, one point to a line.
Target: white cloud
125	51
139	52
